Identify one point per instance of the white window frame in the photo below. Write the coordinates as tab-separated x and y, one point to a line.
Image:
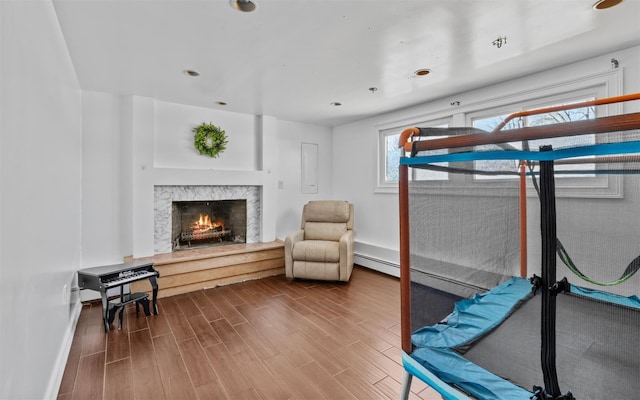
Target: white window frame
599	85
383	185
605	186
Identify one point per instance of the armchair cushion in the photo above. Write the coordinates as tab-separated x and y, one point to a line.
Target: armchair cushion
317	250
326	211
324	230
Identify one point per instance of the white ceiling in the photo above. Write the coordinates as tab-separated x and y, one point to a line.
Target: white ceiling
291	58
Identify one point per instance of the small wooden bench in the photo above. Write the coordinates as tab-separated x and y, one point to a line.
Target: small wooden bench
140	298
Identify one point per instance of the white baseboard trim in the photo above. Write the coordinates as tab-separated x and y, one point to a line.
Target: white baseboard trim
378	258
377	265
61	361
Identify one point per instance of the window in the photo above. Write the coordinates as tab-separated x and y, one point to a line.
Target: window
490	123
568	184
432	175
391	154
487	114
392	157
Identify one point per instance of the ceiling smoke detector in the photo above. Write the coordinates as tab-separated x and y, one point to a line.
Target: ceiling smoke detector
243	5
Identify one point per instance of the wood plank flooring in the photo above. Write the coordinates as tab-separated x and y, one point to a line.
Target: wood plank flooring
263	339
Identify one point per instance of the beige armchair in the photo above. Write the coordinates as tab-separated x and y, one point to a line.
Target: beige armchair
323	247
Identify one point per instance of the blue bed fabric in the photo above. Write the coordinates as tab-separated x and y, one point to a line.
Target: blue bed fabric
434	361
470	320
581	151
631	301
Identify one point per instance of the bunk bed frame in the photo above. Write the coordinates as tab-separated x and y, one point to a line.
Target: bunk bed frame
458	147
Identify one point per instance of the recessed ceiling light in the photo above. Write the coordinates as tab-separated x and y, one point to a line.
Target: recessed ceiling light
604	4
189	72
243	5
336	103
221	103
422	72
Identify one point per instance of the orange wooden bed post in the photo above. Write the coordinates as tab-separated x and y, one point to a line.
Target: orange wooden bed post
405	261
523	219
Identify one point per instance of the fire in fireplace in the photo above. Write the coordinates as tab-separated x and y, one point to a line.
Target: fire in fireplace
208	223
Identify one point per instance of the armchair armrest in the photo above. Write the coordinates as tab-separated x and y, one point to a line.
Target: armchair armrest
288	247
346	255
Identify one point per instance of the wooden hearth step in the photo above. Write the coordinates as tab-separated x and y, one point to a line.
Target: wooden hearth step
190	270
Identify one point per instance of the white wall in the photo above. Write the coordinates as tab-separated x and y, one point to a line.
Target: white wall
40	166
355	149
134	143
102	161
290	137
173	138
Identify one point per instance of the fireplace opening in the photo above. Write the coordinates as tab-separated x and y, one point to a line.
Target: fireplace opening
197	224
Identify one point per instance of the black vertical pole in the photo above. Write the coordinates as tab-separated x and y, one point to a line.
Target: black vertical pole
405	261
548	318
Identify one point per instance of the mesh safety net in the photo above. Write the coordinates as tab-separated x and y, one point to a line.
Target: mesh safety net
510	304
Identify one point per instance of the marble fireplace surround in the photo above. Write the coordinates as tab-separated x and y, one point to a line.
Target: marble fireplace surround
163	196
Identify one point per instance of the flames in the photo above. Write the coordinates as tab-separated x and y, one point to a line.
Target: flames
205	224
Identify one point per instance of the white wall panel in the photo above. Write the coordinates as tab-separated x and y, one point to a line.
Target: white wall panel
40	167
291	135
173	138
102	160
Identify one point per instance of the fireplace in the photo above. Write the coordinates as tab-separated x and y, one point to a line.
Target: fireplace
165	195
197	224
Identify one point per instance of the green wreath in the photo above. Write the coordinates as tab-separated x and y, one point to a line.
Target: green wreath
209	139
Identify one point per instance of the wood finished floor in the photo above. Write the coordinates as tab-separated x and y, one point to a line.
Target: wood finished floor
264	339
